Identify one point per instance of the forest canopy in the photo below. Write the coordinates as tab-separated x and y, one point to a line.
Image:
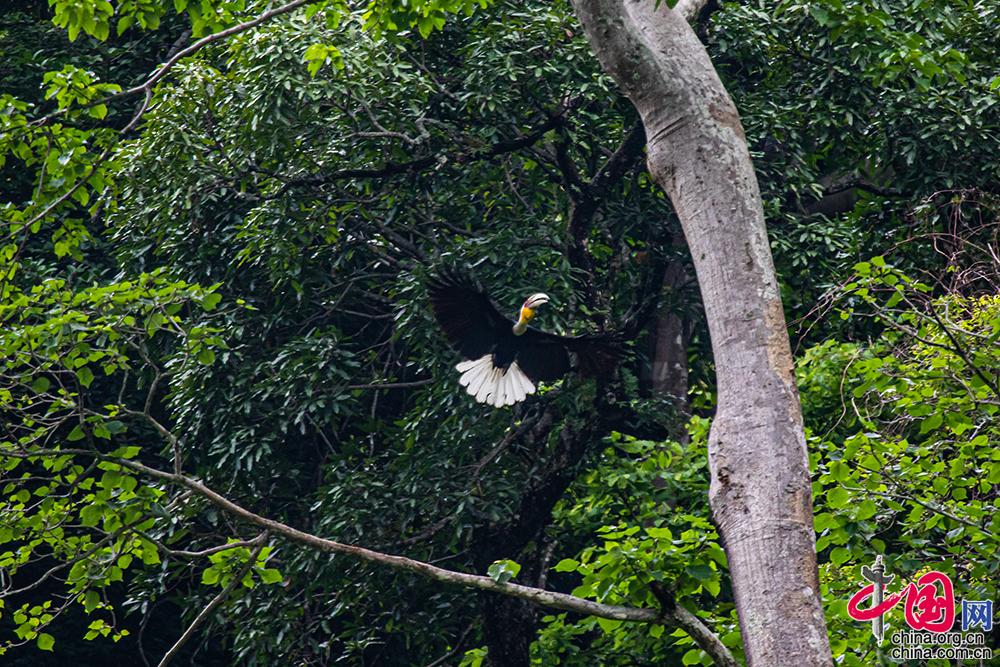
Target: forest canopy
226	404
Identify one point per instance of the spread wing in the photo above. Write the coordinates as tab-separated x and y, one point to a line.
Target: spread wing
547	357
465	312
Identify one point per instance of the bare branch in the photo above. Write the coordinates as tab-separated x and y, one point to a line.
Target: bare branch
554	120
543	598
204	552
691	624
390	385
703	637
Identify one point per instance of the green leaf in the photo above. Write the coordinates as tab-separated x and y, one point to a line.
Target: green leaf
150	554
608	624
840	471
823	521
91	515
692	657
45	641
270	576
211	300
85	375
115	426
866	510
840	555
90	601
566	565
931	423
700	572
837	497
502	571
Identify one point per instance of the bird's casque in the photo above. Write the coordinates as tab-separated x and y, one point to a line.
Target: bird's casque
504	360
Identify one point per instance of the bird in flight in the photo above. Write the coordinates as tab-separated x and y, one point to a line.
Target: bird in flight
503	359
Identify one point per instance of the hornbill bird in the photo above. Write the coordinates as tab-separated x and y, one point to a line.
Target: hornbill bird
504	360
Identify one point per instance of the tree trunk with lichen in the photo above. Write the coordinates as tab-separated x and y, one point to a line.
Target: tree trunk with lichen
760	491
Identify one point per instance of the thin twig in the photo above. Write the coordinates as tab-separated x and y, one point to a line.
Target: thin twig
455	649
215	602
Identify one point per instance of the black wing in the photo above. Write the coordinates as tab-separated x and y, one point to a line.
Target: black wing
547	357
470	321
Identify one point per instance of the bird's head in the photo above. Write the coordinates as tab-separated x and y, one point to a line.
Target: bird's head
528	308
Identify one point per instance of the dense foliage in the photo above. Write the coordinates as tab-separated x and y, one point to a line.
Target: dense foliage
216	273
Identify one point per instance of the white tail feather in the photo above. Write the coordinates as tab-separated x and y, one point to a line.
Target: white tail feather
496	391
510	397
478	377
474	373
506	390
519	393
526	386
486	387
500	397
494	386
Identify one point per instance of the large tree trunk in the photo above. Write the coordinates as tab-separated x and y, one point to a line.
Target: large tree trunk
760	491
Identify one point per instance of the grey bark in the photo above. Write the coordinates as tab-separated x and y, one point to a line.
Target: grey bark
760	490
669	368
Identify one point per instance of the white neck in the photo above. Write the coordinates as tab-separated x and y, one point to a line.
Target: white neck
520	327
